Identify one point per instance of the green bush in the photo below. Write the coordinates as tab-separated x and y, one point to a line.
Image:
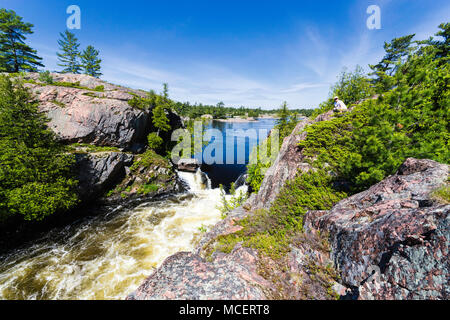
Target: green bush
351	88
154	141
149	158
148	188
46	77
236	200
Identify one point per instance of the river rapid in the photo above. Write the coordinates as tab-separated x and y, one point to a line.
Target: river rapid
109	256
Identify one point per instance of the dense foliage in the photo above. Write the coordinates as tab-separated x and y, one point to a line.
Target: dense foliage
271	231
409	120
35	171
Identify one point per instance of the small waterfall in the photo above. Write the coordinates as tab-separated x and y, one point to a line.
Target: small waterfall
197	182
241	181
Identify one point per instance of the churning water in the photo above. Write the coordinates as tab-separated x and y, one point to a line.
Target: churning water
108	257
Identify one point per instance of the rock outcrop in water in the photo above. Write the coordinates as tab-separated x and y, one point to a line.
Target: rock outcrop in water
389	242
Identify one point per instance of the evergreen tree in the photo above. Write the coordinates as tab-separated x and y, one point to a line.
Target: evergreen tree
160	120
35	170
282	122
161	104
166	91
396	52
443	47
69	53
90	62
219	111
15	55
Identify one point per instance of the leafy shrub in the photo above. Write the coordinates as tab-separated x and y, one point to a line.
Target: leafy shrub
236	200
149	158
46	77
148	188
138	103
154	141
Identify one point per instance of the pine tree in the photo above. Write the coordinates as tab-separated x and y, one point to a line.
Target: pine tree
35	169
90	62
160	120
283	119
396	52
69	53
16	56
162	103
443	47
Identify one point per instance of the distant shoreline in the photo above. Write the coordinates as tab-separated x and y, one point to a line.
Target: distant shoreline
236	120
239	120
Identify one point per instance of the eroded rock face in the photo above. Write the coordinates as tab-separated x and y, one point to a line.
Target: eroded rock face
82	116
101	117
395	229
98	172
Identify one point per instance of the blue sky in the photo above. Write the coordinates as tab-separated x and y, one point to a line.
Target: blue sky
255	53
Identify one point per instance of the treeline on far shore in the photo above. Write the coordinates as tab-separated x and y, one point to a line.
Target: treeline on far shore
220	111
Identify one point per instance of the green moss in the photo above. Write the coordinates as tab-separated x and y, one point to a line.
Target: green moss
77	85
148	188
442	194
90	94
149	158
58	103
89	148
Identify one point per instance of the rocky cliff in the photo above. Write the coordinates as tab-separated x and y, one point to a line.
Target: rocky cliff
388	242
106	134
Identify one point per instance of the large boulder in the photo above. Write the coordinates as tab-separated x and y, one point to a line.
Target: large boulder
89	110
188	165
186	276
395	229
99	172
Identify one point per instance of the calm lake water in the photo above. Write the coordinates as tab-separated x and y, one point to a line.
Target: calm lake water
227	173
